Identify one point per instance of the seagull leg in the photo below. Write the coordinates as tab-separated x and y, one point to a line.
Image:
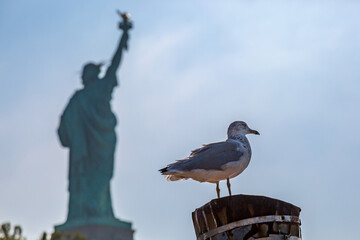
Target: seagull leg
228	185
217	189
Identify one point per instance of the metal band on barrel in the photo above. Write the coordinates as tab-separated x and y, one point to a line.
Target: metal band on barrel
249	221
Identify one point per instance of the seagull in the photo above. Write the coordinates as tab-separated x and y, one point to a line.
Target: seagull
215	161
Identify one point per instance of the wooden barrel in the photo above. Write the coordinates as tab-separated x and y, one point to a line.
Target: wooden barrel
248	217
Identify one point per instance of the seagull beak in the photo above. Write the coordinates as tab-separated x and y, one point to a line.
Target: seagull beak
254	132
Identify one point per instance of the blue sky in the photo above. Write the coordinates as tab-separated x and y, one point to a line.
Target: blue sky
290	69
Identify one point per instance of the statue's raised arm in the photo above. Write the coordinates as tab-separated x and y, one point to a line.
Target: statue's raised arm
125	25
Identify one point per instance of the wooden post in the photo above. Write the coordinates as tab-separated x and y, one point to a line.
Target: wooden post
247	217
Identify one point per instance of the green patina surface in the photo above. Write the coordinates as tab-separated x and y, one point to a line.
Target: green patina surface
87	128
93	221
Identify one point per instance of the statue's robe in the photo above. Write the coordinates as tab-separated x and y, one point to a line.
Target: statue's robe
87	128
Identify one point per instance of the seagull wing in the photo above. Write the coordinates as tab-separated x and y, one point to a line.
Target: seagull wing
212	156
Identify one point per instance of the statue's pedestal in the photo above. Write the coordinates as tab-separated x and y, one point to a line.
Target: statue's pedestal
99	229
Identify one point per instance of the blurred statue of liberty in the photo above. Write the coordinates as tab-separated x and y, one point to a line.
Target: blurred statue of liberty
87	128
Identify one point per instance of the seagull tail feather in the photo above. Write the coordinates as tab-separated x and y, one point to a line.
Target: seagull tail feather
174	178
163	170
171	175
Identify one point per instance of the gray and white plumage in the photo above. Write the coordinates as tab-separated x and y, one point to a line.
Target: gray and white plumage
215	161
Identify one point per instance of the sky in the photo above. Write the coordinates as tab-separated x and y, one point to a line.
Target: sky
289	68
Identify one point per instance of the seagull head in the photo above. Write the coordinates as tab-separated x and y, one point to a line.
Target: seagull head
240	128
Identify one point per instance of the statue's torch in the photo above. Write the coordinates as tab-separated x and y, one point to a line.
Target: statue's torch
125	25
